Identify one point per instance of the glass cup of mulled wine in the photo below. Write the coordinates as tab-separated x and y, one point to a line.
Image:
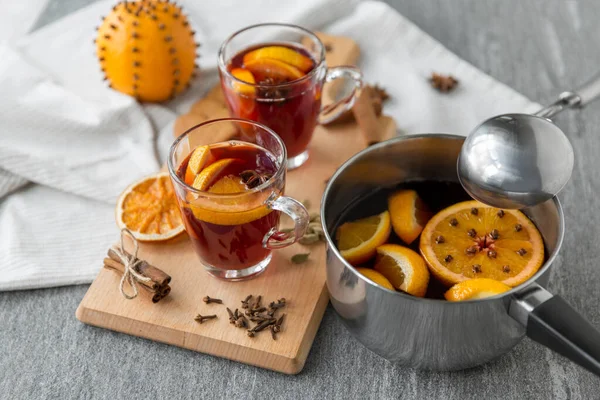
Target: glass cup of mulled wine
274	74
229	178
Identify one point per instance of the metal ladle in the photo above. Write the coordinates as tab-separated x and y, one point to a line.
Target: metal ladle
520	160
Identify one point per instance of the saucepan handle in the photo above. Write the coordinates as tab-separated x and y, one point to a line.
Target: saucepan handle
552	322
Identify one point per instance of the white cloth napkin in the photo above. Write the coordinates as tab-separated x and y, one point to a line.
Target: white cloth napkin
69	145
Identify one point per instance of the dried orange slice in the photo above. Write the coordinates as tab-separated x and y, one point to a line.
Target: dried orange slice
268	67
280	53
404	268
358	240
199	158
473	289
148	208
472	240
409	214
243	75
376	277
210	174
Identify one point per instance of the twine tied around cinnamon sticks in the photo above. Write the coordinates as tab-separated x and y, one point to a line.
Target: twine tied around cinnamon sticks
136	271
129	261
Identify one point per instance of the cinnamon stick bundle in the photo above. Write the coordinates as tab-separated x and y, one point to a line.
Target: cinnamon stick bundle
158	286
158	276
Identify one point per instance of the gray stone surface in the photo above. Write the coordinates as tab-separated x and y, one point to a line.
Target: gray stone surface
539	47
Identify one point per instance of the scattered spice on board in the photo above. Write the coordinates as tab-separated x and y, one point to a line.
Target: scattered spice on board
300	258
263	317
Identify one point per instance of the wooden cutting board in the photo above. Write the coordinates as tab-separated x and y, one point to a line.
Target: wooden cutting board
172	319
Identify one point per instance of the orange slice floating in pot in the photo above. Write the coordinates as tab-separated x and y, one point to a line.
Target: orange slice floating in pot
280	53
376	277
263	68
358	240
472	240
404	268
409	214
148	208
473	289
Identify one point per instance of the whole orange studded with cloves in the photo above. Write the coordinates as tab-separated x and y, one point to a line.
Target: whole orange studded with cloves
146	49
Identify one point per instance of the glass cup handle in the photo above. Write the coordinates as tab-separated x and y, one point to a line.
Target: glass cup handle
276	239
332	111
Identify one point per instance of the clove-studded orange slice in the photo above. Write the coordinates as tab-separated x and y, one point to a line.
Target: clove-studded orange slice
148	208
472	240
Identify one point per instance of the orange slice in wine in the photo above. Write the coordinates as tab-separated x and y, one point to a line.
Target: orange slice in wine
210	174
198	160
229	184
243	75
280	53
263	68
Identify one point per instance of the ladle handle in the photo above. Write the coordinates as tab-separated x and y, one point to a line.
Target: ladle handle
552	322
579	98
588	92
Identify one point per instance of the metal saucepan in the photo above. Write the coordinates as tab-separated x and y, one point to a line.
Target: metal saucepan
436	334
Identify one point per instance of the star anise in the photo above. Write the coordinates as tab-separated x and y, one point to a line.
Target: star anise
274	92
443	83
253	179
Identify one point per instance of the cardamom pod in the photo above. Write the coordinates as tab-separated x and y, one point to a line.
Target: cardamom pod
300	258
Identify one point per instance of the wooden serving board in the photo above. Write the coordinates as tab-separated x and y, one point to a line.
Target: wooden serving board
172	319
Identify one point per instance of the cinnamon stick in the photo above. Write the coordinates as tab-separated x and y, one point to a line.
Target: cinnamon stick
160	294
117	266
366	117
377	97
143	268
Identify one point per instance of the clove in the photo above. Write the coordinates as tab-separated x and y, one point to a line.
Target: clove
231	316
201	318
209	300
245	301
